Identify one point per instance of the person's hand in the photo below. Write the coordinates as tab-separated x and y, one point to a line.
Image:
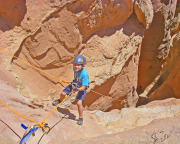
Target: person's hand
75	89
73	84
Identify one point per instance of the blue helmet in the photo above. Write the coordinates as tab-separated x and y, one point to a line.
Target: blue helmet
80	60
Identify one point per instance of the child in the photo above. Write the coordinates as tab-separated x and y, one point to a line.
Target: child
80	84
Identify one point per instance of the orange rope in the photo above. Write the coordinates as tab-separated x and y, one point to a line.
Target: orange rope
42	123
98	93
18	114
38	69
54	109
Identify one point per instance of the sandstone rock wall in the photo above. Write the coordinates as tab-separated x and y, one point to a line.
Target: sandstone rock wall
157	121
126	42
166	54
152	133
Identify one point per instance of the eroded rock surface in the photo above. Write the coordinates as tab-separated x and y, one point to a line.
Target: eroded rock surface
67	30
159	131
126	125
126	42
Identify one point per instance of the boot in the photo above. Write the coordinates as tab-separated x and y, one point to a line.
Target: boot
80	121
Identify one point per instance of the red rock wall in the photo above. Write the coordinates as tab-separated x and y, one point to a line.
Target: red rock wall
157	46
12	13
127	44
169	80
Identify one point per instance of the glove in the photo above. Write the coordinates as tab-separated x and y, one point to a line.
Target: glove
75	89
73	83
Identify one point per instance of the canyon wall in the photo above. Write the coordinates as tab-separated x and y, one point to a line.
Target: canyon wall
131	47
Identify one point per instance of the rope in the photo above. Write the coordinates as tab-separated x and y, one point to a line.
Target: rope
18	114
50	129
38	69
42	71
10	129
42	123
55	108
98	93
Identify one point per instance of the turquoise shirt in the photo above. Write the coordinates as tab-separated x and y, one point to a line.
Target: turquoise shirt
82	77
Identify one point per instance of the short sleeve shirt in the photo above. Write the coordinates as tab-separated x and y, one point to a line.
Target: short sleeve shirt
82	77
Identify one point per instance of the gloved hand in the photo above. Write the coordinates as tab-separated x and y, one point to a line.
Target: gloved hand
75	89
73	84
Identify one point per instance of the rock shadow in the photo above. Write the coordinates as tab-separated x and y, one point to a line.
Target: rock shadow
143	101
66	112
